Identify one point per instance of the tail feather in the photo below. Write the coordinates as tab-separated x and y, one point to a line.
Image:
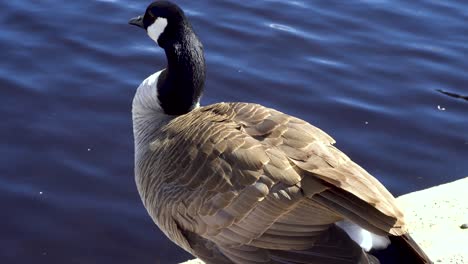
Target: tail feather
333	247
403	249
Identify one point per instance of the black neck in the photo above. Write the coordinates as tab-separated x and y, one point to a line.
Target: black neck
180	86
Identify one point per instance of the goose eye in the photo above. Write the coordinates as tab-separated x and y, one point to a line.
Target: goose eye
151	15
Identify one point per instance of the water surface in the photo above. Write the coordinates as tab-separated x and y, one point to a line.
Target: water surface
367	72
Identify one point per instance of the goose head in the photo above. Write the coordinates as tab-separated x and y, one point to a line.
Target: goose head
180	85
164	22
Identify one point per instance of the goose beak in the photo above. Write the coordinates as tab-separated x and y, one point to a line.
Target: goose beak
137	21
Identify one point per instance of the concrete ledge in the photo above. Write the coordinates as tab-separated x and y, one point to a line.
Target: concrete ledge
435	217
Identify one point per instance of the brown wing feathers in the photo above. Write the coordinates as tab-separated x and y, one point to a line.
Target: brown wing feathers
258	184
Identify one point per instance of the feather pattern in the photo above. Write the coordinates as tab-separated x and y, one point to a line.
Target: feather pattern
242	183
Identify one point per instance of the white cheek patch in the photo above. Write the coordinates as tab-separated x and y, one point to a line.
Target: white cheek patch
157	28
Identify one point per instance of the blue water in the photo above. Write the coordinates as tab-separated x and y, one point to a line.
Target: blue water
364	71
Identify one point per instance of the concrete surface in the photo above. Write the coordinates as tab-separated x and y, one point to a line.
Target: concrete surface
435	217
438	221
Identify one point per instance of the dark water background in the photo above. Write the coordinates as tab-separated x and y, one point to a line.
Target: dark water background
364	71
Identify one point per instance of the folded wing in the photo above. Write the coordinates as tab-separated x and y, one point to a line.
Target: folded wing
256	185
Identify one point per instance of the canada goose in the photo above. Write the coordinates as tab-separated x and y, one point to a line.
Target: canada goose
243	183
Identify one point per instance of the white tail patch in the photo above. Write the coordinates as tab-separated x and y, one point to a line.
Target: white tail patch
364	238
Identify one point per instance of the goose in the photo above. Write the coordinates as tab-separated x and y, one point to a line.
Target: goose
243	183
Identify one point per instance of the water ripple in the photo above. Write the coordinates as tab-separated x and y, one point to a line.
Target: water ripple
367	72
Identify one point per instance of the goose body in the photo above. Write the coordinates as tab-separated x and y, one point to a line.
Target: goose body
243	183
